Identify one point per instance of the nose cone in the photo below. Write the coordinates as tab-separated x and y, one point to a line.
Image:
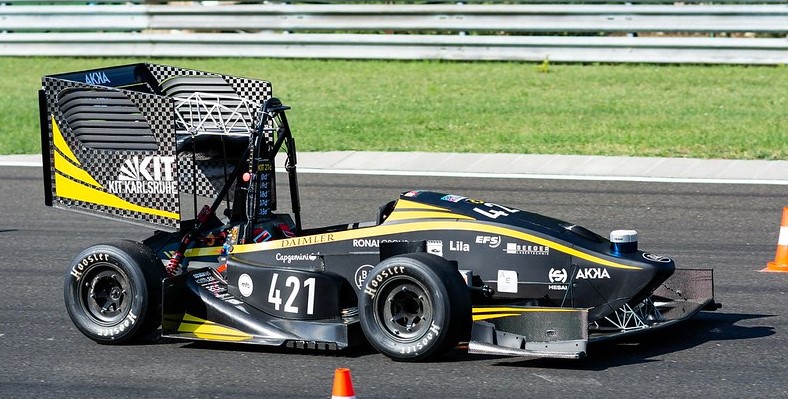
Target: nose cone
660	268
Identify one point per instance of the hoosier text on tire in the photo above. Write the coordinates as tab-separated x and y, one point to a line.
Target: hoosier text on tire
415	307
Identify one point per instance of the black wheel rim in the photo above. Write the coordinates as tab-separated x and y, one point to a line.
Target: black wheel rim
404	309
105	294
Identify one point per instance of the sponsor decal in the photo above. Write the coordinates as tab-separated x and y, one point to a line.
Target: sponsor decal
361	274
517	249
245	285
557	275
507	281
371	243
491	241
655	258
208	281
453	198
96	78
556	287
261	235
296	257
459	246
147	175
424	341
80	267
307	240
435	247
592	273
412	193
372	286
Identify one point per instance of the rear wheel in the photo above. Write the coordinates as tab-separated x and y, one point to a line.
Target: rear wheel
113	292
415	307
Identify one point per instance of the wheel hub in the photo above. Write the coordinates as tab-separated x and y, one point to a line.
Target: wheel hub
105	294
406	311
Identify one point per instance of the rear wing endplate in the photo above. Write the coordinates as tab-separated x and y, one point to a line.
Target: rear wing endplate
125	142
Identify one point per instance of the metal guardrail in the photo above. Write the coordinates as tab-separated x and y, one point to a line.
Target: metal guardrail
590	32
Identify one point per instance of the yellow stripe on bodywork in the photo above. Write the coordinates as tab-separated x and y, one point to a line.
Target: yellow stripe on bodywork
409	205
486	313
406	215
67	168
209	330
458	225
67	188
60	142
205	251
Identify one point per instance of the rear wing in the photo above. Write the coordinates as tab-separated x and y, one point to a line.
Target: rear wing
126	142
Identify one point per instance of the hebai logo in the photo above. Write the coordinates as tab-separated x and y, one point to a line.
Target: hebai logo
592	273
491	241
149	175
557	275
96	78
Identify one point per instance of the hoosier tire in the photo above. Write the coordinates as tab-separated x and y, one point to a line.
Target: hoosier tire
113	292
415	307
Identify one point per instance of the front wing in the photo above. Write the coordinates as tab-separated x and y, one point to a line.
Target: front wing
565	333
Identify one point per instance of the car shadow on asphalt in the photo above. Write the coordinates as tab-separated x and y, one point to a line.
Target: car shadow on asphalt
647	347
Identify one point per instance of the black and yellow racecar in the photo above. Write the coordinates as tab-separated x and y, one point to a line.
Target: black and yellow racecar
148	144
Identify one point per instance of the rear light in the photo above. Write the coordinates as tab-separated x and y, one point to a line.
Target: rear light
623	241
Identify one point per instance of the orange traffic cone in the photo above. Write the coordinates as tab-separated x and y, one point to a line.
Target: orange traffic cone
780	263
343	386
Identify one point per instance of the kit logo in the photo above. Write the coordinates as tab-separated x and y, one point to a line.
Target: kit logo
151	174
135	169
558	275
96	78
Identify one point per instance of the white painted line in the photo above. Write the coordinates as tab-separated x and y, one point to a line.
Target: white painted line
414	173
32	164
643	179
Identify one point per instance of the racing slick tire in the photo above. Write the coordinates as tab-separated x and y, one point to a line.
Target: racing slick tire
113	292
414	307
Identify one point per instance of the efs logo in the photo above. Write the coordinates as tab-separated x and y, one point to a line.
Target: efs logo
558	275
491	241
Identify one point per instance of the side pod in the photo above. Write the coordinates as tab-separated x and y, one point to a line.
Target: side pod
197	306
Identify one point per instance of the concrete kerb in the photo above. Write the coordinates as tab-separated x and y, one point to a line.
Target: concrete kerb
527	166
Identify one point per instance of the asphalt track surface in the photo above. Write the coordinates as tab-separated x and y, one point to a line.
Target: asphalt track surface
739	351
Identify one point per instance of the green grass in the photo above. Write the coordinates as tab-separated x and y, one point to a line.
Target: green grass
734	112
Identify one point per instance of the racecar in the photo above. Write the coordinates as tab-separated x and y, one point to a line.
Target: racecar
191	154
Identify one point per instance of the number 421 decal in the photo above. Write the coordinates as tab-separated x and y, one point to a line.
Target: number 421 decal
494	210
294	284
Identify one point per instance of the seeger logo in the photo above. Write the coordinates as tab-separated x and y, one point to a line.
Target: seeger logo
147	175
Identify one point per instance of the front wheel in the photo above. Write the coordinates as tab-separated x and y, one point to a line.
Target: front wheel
414	307
113	292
